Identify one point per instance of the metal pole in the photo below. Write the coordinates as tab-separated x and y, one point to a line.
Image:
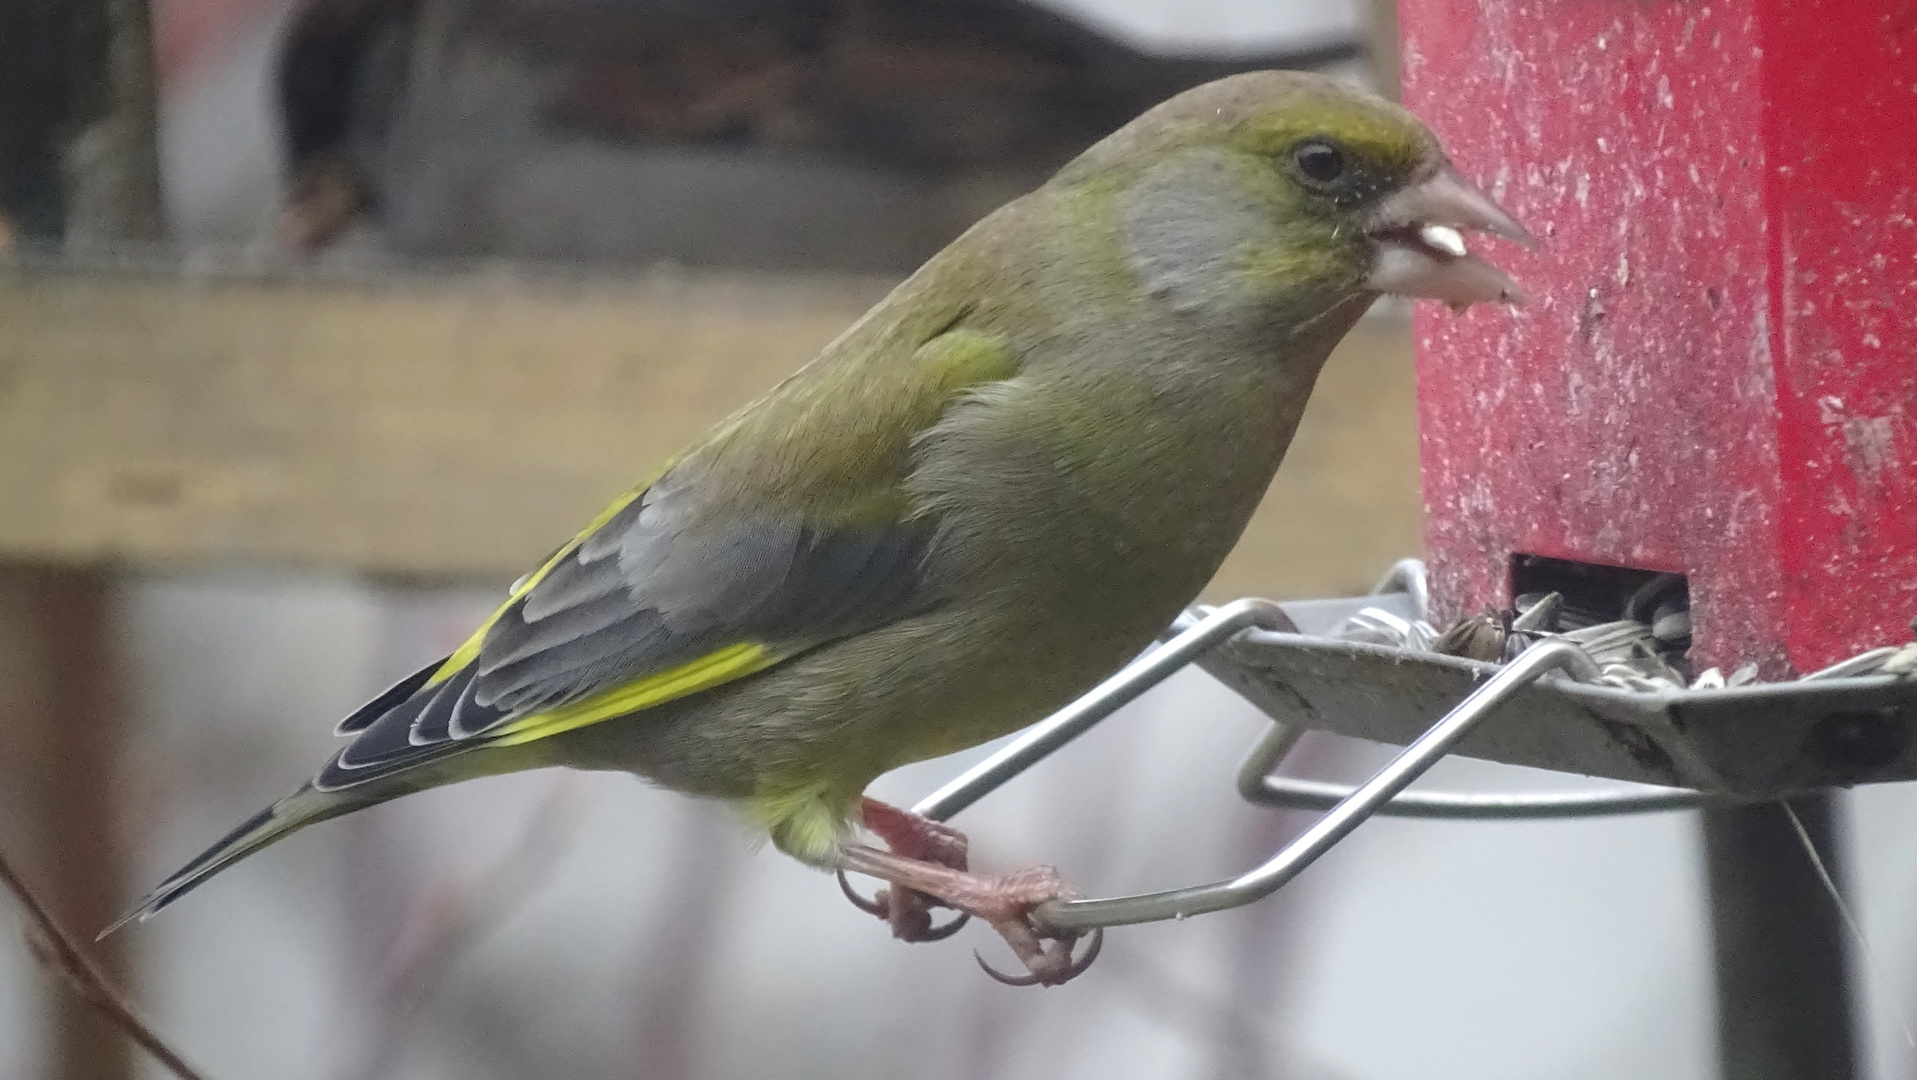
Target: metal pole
1784	992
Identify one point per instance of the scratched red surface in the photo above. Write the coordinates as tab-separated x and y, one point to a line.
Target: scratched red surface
1718	372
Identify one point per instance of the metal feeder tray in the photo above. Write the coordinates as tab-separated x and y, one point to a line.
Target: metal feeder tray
1684	748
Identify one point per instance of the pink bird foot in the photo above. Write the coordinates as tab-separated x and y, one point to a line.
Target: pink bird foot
926	867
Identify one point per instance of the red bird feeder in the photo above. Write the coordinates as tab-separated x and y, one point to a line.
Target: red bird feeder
1717	375
1697	438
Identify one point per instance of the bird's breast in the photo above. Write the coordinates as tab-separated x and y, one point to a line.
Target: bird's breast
1119	493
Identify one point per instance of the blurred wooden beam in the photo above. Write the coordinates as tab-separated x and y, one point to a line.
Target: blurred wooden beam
452	425
459	425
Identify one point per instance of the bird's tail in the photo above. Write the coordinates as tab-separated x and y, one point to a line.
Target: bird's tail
295	812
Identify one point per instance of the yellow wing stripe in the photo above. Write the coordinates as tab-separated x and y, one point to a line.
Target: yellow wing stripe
710	670
469	649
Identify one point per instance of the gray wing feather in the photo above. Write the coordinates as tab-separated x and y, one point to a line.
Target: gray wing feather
577	669
514	639
658	585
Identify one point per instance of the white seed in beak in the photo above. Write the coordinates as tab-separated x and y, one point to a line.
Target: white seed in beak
1443	238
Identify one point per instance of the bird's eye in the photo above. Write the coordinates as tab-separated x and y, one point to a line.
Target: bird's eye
1322	163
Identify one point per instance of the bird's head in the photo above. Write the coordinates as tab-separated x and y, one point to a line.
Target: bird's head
1295	184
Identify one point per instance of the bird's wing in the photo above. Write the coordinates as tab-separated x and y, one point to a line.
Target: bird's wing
687	584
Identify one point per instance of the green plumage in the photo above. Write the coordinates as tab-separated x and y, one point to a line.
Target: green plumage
985	496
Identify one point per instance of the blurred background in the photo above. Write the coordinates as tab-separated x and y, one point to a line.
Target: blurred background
368	227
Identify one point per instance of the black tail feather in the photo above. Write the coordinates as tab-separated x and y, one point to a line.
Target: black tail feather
364	716
296	811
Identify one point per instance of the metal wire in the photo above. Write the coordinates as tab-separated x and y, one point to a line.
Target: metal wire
1257	785
1216	628
1346	807
1348	814
1408	576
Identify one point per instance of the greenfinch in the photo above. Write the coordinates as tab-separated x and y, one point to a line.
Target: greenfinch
985	496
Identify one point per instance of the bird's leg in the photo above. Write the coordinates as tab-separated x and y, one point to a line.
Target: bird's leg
912	837
1006	902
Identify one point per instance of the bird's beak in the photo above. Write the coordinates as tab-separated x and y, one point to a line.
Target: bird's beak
1418	243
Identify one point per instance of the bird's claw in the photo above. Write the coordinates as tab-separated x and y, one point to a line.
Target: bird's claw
913	922
870	907
940	932
1050	966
